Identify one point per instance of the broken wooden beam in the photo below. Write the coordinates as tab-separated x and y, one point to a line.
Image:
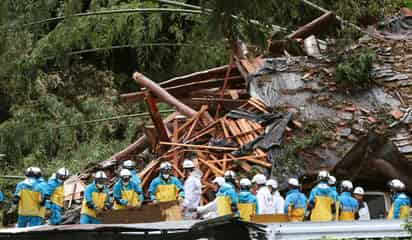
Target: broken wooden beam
198	146
314	26
163	94
156	118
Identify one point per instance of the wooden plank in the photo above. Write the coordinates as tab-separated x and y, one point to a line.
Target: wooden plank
164	211
270	218
198	146
212	167
232	158
156	118
258	107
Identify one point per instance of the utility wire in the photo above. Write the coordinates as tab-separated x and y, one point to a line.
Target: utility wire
136	46
110	119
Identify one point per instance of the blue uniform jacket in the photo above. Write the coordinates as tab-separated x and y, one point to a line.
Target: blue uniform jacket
227	190
295	198
321	191
245	196
399	200
92	188
135	178
348	203
160	181
117	191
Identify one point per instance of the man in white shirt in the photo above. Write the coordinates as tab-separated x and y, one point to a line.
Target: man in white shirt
192	188
363	212
278	200
263	195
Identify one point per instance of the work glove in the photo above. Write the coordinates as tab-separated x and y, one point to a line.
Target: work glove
234	208
139	205
154	201
180	199
91	205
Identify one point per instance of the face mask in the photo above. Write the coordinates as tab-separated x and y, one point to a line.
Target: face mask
60	180
166	176
99	185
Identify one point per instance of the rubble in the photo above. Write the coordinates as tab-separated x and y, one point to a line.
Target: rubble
284	116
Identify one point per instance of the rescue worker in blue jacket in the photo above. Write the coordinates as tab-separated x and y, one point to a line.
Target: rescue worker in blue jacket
323	201
28	199
42	185
246	201
400	201
230	177
55	194
225	197
295	202
131	166
348	205
96	198
165	187
126	193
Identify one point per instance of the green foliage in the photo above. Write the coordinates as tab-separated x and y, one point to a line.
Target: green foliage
354	70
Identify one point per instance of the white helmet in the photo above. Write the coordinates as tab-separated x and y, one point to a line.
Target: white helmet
62	173
323	175
165	166
397	185
36	172
100	175
188	164
293	182
230	174
244	182
219	181
346	185
129	164
259	179
273	183
125	173
331	180
359	191
29	172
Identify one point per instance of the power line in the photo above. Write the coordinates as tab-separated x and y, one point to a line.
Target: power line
115	11
136	46
110	119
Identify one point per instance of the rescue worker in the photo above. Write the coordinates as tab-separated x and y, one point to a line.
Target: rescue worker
96	198
348	206
225	197
322	200
165	187
400	201
295	202
126	193
42	185
230	177
131	166
263	195
28	198
332	183
278	200
363	212
246	201
192	189
55	191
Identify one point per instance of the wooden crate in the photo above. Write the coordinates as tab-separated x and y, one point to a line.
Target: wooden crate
166	211
269	218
